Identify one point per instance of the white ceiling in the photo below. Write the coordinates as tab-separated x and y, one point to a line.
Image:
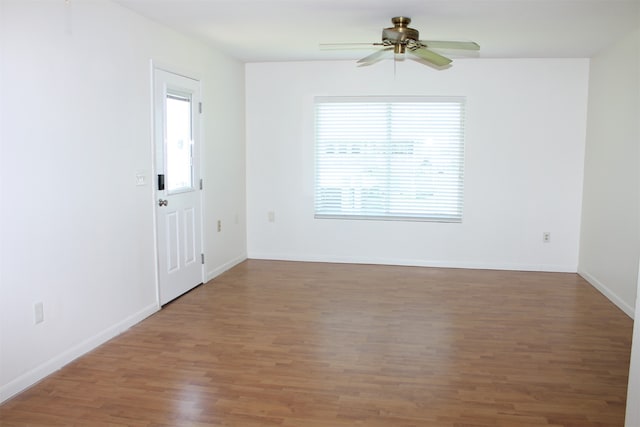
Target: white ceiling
291	30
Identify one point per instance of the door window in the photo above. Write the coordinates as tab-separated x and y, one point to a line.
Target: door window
179	145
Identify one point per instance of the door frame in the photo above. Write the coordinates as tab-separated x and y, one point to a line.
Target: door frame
153	66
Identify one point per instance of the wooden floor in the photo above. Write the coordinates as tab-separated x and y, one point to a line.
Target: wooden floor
331	345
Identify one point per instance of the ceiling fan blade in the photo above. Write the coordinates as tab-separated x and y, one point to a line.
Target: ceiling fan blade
335	46
374	57
442	44
431	57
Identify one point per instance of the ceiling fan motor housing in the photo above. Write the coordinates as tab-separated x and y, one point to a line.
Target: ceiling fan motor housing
400	35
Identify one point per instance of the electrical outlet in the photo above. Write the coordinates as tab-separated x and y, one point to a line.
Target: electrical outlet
219	226
271	216
38	311
546	237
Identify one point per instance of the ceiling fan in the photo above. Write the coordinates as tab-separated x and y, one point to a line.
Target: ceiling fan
400	39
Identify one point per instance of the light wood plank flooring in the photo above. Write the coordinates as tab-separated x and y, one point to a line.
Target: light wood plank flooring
332	345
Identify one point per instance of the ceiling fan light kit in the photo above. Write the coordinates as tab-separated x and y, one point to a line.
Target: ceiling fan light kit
401	39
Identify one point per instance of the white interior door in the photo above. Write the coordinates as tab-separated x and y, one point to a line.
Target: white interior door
178	201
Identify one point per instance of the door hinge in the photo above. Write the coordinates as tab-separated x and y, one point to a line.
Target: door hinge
200	107
201	183
202	257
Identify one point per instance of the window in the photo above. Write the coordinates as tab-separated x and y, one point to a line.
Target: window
389	158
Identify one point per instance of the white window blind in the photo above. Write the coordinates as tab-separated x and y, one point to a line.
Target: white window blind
389	158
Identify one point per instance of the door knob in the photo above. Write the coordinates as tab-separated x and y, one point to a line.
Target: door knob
163	202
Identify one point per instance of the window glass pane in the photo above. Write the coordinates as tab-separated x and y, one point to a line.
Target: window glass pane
400	159
179	173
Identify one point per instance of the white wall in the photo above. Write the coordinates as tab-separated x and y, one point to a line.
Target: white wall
525	133
627	50
77	233
610	234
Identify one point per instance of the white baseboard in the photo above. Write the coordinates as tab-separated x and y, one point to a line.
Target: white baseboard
224	267
607	292
34	375
417	262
